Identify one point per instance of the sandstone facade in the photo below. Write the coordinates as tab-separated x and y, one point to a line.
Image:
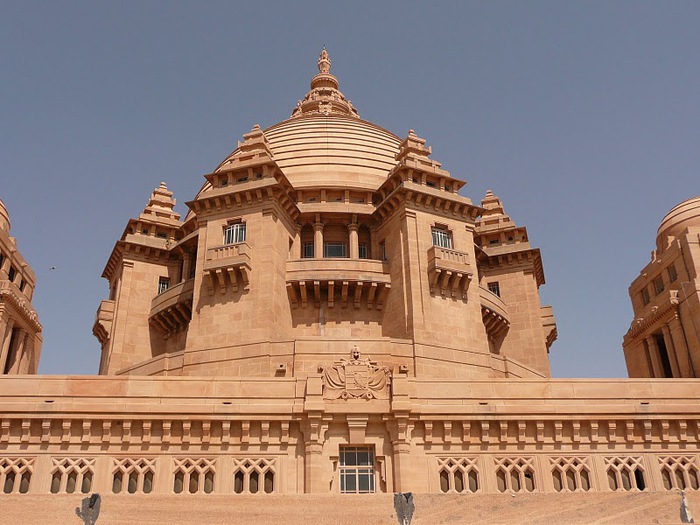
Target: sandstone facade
664	337
332	316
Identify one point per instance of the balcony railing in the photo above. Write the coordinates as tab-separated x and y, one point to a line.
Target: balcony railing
494	312
348	280
228	265
104	317
172	310
449	271
549	325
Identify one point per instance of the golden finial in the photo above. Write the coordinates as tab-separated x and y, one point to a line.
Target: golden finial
324	62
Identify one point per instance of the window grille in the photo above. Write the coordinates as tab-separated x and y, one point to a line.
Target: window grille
307	250
515	474
334	250
163	284
234	233
625	473
194	476
70	475
16	475
442	238
362	251
253	476
570	474
133	475
495	288
382	247
680	472
356	470
458	475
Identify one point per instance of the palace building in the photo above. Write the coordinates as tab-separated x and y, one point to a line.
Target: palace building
663	338
332	316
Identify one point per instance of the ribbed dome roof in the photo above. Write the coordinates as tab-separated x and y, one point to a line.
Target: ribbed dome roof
333	151
685	214
4	218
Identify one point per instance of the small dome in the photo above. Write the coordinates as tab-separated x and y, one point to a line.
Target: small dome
4	218
682	216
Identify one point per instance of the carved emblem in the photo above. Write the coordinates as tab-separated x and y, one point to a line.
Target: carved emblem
356	378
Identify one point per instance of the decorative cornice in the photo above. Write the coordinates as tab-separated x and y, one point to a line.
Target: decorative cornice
10	294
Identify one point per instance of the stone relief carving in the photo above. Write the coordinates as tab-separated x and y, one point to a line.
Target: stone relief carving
356	378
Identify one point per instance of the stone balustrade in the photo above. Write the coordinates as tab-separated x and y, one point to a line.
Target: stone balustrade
228	265
494	312
449	270
172	310
351	280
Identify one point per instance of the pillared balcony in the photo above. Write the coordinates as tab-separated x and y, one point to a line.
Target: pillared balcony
494	313
450	271
171	310
348	281
227	265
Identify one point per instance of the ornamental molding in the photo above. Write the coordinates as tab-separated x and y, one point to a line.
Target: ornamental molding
356	378
25	311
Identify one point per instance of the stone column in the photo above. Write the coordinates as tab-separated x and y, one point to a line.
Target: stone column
5	349
401	463
354	245
671	351
680	347
318	240
658	370
296	242
5	268
18	353
186	265
314	473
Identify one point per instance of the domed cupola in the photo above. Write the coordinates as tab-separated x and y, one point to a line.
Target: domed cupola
682	216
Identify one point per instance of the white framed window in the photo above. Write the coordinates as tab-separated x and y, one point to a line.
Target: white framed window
362	251
307	250
495	288
442	237
163	284
356	470
234	233
334	250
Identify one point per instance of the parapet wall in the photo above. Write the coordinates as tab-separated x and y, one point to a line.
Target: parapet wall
284	436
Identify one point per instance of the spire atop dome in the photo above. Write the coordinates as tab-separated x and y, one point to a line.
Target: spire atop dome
160	206
324	98
324	62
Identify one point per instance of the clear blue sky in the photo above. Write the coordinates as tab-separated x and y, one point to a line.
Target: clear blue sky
583	117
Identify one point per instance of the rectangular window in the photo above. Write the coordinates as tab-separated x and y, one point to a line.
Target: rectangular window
362	251
658	285
334	249
11	273
672	273
495	288
442	238
234	233
307	250
382	247
163	284
645	296
356	470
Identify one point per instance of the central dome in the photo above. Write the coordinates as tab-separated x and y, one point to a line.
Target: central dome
325	142
681	216
333	150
